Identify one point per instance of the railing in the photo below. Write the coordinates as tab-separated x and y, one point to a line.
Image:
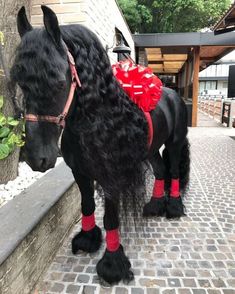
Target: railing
218	108
211	105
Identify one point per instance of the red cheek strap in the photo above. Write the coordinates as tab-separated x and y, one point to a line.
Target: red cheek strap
112	240
175	188
88	222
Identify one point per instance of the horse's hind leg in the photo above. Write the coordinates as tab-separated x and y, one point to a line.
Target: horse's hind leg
114	266
157	205
89	238
174	205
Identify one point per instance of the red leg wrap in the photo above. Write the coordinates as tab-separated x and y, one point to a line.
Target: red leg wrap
88	222
112	240
175	188
158	189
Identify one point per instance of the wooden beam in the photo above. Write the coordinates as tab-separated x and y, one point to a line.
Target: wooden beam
186	79
196	65
154	56
175	57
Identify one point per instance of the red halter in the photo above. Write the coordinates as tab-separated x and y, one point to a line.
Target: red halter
60	119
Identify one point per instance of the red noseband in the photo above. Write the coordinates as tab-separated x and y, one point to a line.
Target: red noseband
60	119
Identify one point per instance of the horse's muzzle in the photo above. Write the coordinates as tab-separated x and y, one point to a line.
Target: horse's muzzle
41	164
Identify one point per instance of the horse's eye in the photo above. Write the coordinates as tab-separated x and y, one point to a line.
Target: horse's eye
61	85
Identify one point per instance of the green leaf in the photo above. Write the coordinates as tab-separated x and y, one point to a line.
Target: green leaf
4	131
12	122
1	101
3	119
12	138
4	151
20	143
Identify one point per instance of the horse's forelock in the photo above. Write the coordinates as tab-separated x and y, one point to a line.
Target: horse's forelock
38	64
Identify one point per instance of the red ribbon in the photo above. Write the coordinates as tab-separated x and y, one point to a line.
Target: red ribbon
175	188
88	222
112	240
150	125
158	189
140	84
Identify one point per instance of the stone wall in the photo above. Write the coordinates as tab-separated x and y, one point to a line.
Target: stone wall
33	227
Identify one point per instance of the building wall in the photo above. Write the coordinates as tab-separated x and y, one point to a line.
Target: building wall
214	79
100	16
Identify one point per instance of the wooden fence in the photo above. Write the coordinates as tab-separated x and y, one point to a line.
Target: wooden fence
212	106
218	108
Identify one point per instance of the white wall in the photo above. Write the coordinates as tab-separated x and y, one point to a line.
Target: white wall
100	16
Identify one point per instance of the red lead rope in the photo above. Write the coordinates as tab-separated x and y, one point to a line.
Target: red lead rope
150	125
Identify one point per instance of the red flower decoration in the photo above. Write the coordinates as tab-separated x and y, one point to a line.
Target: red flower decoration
140	84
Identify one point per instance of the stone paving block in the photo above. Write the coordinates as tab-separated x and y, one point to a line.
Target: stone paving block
73	289
168	291
57	288
173	282
189	283
69	277
121	290
218	283
89	290
137	291
199	291
214	291
204	283
153	291
184	291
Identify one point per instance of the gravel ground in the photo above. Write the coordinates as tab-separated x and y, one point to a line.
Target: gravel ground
25	178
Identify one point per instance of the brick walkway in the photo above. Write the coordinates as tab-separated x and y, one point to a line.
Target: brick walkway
204	120
195	254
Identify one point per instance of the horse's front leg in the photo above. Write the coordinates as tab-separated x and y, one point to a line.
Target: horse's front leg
89	238
157	204
114	266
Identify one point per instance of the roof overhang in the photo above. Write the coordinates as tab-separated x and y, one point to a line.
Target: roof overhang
226	22
167	52
184	39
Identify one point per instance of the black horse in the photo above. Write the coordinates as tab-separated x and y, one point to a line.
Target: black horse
105	136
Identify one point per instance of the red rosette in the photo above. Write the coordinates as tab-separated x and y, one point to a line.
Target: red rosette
140	84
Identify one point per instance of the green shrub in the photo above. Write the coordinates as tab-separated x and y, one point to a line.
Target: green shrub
11	133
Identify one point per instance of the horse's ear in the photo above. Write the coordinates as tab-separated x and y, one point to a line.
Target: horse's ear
23	24
51	24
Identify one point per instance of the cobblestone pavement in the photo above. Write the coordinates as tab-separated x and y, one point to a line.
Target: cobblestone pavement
195	254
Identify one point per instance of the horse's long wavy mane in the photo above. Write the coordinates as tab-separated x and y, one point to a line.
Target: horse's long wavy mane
112	131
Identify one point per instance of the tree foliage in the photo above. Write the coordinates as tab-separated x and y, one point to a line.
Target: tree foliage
166	16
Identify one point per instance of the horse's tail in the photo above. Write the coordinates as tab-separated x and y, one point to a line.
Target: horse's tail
184	167
167	176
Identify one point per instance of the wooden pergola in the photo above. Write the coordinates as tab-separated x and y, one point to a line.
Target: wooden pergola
183	55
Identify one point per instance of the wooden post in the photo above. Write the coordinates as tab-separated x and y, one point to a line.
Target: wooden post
186	79
196	65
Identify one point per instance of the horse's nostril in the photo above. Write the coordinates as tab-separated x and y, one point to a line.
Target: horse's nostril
43	163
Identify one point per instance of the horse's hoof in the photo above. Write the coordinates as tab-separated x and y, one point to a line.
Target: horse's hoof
88	241
114	267
174	207
155	207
